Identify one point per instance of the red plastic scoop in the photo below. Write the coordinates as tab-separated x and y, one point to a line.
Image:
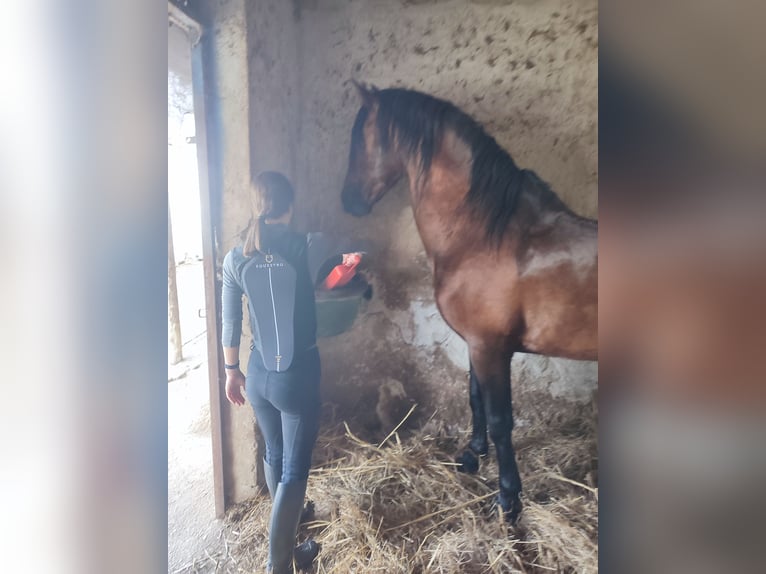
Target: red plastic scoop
343	273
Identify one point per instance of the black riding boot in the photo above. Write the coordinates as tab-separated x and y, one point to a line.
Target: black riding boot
272	480
285	514
305	553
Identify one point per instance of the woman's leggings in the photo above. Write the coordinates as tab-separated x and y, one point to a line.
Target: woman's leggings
287	408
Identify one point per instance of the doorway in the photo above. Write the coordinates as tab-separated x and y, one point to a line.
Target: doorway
195	486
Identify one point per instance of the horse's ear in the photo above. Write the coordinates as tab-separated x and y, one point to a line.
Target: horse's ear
367	93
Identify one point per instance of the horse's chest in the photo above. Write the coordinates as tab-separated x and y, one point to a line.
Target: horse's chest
478	300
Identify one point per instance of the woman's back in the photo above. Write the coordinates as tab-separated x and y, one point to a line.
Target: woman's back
292	247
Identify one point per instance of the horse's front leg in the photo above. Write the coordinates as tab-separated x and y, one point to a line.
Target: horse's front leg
468	460
493	371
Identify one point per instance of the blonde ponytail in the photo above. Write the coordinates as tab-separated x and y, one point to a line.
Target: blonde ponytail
254	239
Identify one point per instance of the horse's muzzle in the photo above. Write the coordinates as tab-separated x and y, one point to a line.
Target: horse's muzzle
354	203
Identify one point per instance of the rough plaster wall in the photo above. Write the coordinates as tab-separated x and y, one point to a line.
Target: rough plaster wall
257	95
274	85
257	79
528	72
231	102
266	79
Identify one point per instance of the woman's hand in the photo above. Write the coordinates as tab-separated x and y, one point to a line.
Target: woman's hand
350	259
235	384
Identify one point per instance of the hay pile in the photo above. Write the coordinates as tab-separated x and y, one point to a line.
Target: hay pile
399	506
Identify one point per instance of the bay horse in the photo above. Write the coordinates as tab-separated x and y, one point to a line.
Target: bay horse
514	269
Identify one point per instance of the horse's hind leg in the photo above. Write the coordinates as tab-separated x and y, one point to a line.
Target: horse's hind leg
493	371
468	460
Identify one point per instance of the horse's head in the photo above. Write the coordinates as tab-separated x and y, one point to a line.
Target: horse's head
373	165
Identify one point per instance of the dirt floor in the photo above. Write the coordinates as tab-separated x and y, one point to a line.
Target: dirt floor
192	528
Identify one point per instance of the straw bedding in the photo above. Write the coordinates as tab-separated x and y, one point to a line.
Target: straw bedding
397	505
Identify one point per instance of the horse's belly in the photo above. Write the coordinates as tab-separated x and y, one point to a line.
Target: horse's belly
562	331
580	348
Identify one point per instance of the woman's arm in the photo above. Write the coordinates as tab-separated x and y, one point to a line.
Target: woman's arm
231	332
235	379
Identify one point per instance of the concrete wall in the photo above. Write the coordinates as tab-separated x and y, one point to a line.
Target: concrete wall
256	80
230	140
527	70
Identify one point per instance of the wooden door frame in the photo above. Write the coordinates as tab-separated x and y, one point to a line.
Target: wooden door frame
209	201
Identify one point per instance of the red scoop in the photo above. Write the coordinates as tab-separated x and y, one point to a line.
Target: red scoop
343	273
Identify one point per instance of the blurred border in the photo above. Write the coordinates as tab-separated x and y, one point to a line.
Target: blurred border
682	136
82	222
83	192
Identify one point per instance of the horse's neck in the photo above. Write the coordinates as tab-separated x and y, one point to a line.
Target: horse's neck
437	204
438	196
448	228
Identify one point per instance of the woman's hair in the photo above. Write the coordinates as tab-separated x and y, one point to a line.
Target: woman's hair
271	198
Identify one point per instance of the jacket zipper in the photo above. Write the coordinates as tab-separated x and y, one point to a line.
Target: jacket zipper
276	327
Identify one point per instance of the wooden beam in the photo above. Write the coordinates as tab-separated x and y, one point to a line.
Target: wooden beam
174	319
210	198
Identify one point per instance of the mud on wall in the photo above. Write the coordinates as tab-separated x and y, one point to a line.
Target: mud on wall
527	70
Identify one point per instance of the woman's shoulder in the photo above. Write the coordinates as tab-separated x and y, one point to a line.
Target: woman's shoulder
234	258
234	252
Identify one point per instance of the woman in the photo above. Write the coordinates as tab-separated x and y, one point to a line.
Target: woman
283	372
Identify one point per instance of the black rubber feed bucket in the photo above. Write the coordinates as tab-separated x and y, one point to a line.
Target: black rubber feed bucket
337	309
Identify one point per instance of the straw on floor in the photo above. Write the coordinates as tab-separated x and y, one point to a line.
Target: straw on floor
399	506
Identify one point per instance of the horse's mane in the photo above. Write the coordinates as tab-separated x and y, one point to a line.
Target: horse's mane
418	122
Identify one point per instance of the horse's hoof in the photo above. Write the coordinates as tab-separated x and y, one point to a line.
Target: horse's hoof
307	514
468	462
511	506
482	449
304	554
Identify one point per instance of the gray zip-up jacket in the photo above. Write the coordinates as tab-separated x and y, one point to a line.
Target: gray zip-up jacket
280	297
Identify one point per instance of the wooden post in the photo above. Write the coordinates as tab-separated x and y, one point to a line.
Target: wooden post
174	319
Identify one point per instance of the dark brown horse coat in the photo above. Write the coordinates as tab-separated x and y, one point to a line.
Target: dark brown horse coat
514	269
